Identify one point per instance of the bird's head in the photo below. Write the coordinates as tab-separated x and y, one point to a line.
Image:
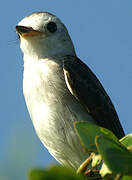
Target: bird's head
44	35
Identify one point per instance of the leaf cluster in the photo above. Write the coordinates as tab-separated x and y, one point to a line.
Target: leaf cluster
110	159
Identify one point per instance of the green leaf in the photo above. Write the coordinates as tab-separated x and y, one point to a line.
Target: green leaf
54	173
87	133
115	156
37	174
127	140
126	178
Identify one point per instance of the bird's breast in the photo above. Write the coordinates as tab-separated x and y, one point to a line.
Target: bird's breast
44	88
52	108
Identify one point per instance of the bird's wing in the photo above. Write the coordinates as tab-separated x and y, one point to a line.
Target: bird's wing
87	89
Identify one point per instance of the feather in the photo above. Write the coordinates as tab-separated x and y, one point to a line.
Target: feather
87	89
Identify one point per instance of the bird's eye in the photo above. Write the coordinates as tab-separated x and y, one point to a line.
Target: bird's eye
52	27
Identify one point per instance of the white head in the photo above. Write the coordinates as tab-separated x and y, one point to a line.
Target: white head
43	35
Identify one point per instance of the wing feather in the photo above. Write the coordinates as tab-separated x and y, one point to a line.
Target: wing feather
87	89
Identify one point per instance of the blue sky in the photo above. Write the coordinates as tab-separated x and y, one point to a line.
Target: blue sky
102	34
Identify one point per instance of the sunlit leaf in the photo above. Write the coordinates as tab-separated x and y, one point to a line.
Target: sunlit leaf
105	170
127	141
87	133
115	156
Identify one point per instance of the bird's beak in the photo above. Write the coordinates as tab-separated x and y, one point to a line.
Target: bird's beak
27	31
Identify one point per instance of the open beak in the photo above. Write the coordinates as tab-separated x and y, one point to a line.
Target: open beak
27	31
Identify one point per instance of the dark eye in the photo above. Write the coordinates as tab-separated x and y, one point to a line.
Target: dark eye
52	27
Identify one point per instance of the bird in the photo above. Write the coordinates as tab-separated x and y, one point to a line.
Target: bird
60	89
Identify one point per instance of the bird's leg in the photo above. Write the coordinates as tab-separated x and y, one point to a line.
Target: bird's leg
85	164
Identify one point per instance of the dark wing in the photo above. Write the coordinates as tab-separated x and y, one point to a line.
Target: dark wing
87	89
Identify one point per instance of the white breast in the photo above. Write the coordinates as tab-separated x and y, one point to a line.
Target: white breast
53	109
